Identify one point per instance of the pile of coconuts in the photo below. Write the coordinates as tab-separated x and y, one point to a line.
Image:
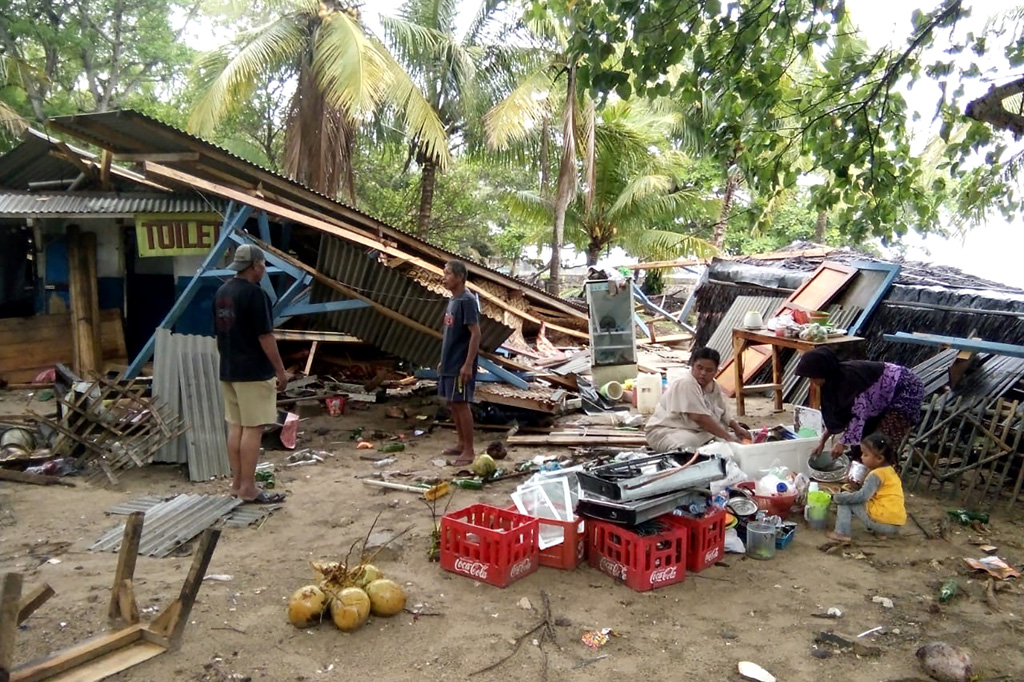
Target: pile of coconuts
349	596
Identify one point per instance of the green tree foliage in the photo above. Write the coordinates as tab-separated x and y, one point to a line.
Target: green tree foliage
848	123
66	56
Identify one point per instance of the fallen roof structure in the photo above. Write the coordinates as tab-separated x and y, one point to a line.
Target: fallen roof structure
922	299
174	158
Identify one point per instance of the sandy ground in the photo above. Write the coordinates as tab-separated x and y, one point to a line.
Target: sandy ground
739	610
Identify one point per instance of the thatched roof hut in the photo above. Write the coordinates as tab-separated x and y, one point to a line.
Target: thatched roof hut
924	298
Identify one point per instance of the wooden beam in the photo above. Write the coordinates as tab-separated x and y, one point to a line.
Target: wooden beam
174	625
105	159
125	573
33	601
305	335
85	305
33	479
343	233
771	255
170	157
309	359
77	655
10	603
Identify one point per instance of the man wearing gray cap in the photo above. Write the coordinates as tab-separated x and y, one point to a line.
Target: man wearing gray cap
251	371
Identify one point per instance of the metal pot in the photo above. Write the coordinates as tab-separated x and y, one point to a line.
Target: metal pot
856	474
20	438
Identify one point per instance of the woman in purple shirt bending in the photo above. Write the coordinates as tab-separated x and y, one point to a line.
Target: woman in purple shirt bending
861	397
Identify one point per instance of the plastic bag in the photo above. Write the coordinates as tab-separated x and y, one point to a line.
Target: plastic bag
733	544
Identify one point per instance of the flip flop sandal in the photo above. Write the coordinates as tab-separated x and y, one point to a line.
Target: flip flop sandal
266	498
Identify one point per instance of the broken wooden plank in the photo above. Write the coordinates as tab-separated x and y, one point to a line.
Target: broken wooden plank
171	623
77	655
33	479
122	598
10	603
33	601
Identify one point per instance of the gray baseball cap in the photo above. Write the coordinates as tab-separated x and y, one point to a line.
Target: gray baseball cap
246	255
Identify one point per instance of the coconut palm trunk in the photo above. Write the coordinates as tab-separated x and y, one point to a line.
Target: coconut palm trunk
732	183
428	182
820	225
566	186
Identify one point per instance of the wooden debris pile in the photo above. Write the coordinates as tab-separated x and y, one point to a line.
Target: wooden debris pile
109	426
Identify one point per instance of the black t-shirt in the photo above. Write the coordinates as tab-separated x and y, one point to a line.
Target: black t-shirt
241	314
463	310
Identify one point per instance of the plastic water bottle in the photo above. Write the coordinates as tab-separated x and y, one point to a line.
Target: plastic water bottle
718	501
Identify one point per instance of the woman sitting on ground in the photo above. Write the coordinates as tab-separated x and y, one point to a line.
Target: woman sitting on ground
879	503
693	410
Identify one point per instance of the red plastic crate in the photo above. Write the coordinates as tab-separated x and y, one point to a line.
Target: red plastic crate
706	540
492	545
569	554
641	562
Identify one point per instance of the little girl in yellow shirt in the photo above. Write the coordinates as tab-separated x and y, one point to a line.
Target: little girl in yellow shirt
879	503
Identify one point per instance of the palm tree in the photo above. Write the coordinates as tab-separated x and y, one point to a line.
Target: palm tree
459	76
342	75
640	199
529	109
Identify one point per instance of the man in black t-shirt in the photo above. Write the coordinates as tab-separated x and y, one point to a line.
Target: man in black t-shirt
459	346
251	371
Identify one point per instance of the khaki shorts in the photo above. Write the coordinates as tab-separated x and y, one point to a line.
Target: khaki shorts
250	403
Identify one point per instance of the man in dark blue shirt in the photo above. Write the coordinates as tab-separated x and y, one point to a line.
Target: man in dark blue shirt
251	371
457	371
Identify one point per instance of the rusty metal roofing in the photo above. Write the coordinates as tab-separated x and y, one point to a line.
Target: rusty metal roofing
170	524
394	289
131	132
109	204
37	159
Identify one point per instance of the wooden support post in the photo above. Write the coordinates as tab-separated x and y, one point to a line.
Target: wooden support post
10	603
777	376
738	344
309	360
78	655
85	305
33	601
122	597
171	623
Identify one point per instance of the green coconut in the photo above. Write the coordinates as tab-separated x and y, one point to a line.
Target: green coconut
484	466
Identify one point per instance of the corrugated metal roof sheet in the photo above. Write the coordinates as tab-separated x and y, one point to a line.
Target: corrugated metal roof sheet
248	514
130	132
171	524
103	203
721	339
141	504
186	373
394	289
32	161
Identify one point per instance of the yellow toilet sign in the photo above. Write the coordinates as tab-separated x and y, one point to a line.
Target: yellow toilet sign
176	234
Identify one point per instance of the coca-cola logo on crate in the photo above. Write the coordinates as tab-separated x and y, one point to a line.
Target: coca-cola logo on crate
520	568
613	569
474	569
712	554
663	575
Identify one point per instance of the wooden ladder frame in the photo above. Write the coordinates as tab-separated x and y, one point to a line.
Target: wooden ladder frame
99	657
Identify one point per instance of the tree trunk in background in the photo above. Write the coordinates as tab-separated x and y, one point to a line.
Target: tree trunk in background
593	252
545	144
566	181
732	182
820	226
428	180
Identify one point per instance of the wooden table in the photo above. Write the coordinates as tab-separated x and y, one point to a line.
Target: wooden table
742	338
